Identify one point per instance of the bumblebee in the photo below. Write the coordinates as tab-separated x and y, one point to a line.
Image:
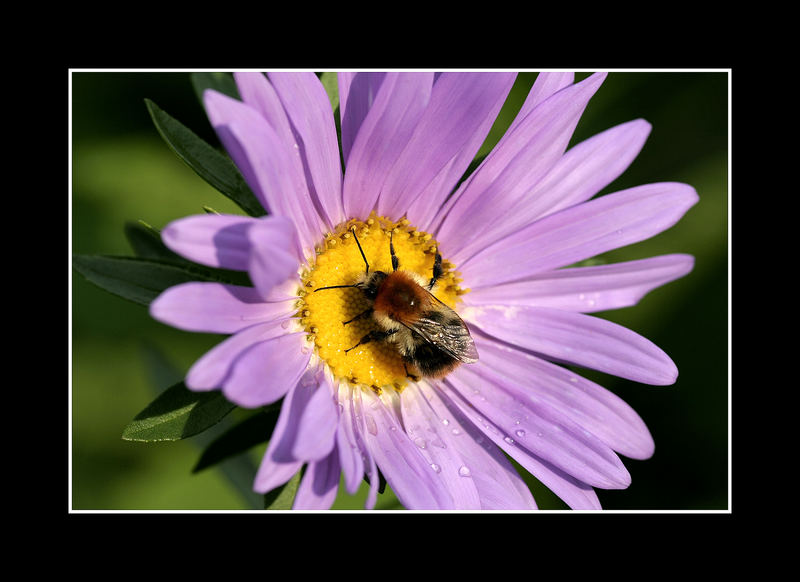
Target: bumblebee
428	334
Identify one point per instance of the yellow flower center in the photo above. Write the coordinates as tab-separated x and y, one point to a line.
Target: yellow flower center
376	364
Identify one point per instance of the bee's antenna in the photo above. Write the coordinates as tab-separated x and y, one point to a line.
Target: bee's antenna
336	287
362	252
395	262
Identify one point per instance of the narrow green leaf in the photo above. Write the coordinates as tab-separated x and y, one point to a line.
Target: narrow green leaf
137	280
211	165
142	280
147	244
331	84
283	497
222	82
240	470
176	414
242	437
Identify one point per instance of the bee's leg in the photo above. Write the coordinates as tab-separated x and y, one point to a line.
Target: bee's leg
437	270
361	315
375	335
412	376
395	260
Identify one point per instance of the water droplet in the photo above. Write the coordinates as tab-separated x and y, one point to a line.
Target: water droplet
456	431
509	440
520	433
436	467
420	442
286	324
445	421
464	471
371	426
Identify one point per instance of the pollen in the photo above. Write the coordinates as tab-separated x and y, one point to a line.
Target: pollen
333	318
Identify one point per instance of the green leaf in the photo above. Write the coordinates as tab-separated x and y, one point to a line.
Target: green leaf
240	438
137	280
214	167
331	84
283	497
176	414
142	280
146	243
222	82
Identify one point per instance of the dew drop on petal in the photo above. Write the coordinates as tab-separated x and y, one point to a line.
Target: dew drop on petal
371	426
509	440
436	468
420	442
520	433
464	471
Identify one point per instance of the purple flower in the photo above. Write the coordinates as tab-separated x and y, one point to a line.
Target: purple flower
508	235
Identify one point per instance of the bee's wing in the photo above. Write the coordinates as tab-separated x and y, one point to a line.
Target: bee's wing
447	332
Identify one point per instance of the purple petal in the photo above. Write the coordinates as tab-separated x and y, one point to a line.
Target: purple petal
212	369
435	445
214	307
577	176
275	257
541	430
310	114
286	442
319	485
349	443
580	232
576	494
316	425
587	168
257	92
278	465
384	133
356	94
263	373
546	84
459	108
497	484
584	403
583	340
267	164
354	455
413	480
486	201
272	474
424	211
216	240
587	289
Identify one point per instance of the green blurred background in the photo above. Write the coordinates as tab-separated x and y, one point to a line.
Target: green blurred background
123	171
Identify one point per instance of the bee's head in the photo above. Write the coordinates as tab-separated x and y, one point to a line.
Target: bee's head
371	284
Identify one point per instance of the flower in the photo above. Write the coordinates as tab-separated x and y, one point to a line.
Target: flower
509	236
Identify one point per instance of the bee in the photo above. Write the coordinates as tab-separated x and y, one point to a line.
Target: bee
428	334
